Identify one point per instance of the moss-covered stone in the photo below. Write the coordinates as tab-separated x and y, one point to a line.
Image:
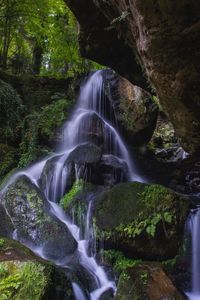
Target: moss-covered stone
146	281
11	250
33	281
135	111
142	220
33	223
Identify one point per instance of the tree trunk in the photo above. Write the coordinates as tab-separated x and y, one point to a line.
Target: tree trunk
37	58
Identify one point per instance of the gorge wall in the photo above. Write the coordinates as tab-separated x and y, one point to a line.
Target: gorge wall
153	44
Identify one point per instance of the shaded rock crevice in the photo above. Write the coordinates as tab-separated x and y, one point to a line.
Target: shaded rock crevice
162	36
101	42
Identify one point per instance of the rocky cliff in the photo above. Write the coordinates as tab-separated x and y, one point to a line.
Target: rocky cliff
153	44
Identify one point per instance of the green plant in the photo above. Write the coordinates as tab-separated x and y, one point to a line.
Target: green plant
33	282
3	271
9	286
149	218
23	280
149	224
40	127
116	22
11	111
2	243
144	277
10	105
8	159
52	116
76	188
118	260
152	197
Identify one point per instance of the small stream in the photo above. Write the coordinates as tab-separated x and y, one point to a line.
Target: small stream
193	231
92	113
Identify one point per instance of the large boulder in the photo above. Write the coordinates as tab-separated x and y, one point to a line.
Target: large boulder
85	153
113	169
90	129
146	281
151	39
98	38
135	110
141	220
33	223
13	250
6	228
84	161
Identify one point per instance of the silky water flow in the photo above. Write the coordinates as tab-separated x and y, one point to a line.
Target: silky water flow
92	109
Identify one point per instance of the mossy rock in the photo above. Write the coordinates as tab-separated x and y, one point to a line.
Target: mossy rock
11	250
135	110
146	281
120	202
143	221
8	159
33	223
33	281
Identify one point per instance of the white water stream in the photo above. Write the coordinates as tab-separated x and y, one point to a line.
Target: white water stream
193	230
91	106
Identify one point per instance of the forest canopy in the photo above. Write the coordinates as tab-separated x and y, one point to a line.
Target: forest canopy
39	37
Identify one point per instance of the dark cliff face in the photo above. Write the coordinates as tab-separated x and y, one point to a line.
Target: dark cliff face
157	40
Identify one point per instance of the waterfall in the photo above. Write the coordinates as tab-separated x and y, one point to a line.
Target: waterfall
92	122
192	231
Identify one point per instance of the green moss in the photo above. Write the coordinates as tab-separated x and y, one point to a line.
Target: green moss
11	110
39	128
133	283
118	260
156	202
155	197
67	198
52	116
118	205
2	243
142	220
170	264
163	137
23	280
8	159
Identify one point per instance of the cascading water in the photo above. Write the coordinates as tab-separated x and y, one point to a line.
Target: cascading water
93	114
192	231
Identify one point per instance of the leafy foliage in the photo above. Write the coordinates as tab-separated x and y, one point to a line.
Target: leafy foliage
40	126
7	159
76	188
118	260
11	110
39	36
155	213
131	230
22	281
33	282
152	198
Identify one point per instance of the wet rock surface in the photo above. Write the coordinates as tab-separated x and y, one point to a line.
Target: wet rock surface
146	281
144	221
139	31
34	226
135	110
